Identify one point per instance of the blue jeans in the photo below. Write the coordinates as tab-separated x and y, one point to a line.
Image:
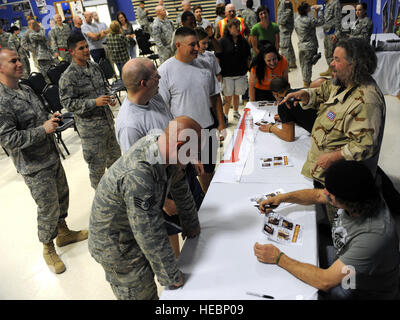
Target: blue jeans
97	54
132	52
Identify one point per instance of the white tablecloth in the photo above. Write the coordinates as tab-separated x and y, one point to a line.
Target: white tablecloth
220	263
387	73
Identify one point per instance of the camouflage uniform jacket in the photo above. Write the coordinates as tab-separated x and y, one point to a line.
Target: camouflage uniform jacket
142	16
126	228
4	37
305	29
15	44
79	88
41	45
351	121
26	42
162	31
333	18
22	115
362	29
285	17
59	36
250	18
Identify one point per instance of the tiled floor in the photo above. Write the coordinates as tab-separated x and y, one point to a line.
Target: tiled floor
23	272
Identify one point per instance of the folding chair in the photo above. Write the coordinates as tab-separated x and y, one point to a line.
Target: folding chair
52	95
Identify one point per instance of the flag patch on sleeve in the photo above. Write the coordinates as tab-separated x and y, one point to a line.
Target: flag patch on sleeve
331	115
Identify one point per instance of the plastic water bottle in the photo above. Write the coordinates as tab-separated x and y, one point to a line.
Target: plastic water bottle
249	126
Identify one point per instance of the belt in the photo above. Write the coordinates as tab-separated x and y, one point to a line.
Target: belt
62	49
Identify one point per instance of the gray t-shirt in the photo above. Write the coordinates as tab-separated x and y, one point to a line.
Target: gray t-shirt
371	246
209	60
94	28
187	88
135	121
204	23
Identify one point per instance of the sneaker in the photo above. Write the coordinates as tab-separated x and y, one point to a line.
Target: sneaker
316	58
236	115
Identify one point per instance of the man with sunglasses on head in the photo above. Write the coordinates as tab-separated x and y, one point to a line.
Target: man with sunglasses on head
83	91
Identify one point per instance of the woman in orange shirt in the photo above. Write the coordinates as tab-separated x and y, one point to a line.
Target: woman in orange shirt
267	65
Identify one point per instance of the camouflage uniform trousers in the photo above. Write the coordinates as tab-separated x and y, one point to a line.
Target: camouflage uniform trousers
100	147
44	66
164	54
127	286
49	189
329	47
287	51
26	67
305	57
35	60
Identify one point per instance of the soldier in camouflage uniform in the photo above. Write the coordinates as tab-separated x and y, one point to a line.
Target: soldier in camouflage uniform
58	38
351	111
27	44
285	20
248	14
83	91
26	132
4	36
42	50
332	30
141	14
15	44
162	32
363	26
126	229
308	43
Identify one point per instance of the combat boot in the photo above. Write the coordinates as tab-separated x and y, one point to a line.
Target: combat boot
66	236
327	73
52	259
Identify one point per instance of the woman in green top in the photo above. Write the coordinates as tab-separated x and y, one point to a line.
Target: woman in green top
264	30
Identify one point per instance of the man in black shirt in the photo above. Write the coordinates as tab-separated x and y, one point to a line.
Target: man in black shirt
289	117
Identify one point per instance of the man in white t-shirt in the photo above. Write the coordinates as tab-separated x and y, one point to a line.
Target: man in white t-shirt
144	112
188	88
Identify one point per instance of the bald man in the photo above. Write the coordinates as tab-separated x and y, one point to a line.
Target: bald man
143	109
94	37
162	31
126	229
58	38
185	7
142	112
77	28
230	13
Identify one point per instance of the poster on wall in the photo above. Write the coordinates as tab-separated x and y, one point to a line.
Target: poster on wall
40	3
17	7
